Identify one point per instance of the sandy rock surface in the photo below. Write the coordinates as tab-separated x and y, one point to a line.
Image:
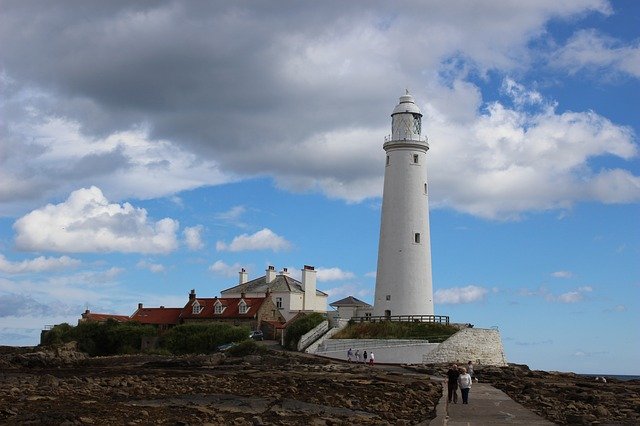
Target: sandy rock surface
276	388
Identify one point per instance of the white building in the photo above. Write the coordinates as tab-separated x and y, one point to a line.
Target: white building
288	294
403	283
351	307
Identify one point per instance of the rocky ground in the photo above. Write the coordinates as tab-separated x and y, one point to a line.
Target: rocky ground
66	387
564	398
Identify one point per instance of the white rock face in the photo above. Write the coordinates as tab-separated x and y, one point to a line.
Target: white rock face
403	283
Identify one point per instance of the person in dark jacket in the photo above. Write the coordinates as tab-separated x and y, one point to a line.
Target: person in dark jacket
452	381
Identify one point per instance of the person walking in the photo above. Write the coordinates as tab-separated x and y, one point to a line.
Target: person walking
357	355
470	371
349	355
464	380
371	358
452	383
364	357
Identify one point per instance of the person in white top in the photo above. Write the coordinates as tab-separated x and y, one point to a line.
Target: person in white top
464	381
371	358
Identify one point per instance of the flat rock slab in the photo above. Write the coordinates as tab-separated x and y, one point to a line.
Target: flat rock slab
487	406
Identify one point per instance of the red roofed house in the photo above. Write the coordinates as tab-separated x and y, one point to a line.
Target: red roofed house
162	318
255	312
90	316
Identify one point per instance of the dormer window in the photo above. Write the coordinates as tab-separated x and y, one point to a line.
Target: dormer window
196	308
217	308
242	307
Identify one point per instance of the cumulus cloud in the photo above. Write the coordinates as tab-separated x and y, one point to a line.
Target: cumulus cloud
333	274
221	268
270	87
591	50
39	264
456	295
87	222
562	274
264	239
193	237
348	290
153	267
572	296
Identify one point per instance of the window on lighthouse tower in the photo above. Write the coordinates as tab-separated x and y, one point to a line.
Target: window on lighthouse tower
416	238
416	157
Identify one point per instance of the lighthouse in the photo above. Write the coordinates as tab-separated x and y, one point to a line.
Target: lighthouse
403	280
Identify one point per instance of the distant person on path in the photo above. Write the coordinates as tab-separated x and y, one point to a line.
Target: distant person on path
464	380
452	383
357	355
371	358
470	370
349	355
364	357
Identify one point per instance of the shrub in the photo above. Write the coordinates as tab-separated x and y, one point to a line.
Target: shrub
97	339
202	338
247	347
300	327
434	332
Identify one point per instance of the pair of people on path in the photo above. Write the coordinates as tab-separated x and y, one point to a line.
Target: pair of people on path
458	377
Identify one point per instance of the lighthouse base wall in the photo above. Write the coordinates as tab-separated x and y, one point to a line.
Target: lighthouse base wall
482	346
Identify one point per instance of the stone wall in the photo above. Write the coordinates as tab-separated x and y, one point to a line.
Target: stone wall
388	351
482	346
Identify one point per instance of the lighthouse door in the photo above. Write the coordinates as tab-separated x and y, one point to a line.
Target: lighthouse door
387	313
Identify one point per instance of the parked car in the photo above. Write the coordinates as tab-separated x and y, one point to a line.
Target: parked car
256	335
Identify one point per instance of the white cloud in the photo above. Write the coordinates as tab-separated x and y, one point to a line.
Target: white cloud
348	290
87	222
371	274
562	274
573	296
455	295
153	267
591	50
264	239
193	237
221	268
502	162
39	264
333	274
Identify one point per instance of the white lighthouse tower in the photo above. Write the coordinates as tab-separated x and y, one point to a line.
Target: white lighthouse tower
403	282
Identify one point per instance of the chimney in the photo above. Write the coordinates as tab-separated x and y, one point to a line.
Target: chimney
192	295
242	295
139	305
243	276
161	307
271	274
309	285
284	271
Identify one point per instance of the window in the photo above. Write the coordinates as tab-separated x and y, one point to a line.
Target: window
367	314
243	308
426	192
387	160
196	308
416	157
388	297
416	238
217	309
279	302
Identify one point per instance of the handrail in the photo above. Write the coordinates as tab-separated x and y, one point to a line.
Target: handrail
441	319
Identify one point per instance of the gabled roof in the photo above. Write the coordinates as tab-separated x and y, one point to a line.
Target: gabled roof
231	307
90	316
157	316
280	284
350	301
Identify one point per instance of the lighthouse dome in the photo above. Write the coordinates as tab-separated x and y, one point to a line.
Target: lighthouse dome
407	104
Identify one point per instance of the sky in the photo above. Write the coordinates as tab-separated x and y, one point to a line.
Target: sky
149	148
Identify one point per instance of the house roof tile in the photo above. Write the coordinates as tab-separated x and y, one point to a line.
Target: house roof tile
157	315
350	301
231	307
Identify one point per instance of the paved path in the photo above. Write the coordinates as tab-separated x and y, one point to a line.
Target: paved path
487	406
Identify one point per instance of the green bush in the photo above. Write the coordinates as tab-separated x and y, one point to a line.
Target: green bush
247	347
299	328
434	332
202	338
98	339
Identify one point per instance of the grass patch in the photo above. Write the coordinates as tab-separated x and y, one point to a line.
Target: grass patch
433	332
